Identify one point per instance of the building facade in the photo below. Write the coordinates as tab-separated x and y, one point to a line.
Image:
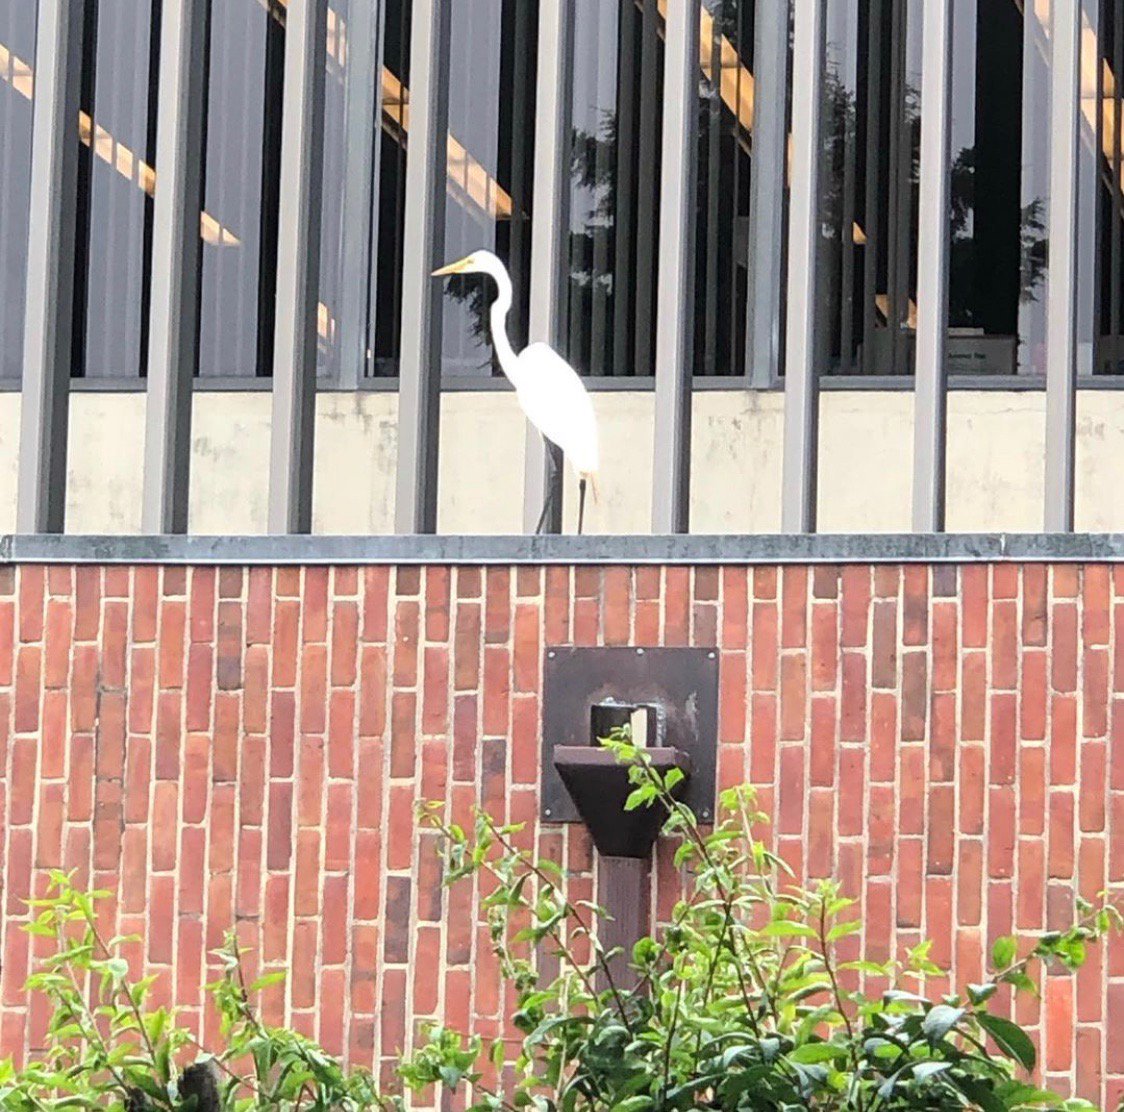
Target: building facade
632	163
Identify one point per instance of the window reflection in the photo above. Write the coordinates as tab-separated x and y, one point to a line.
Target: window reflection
869	188
1102	67
17	55
615	120
116	184
489	164
243	150
725	108
390	186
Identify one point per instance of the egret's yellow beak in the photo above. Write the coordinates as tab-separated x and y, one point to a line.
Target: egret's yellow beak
454	268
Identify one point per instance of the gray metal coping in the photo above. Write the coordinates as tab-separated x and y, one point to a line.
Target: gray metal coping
819	548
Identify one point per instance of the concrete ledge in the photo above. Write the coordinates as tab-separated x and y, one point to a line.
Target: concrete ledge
859	548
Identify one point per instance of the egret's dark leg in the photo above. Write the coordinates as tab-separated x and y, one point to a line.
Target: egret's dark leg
581	504
545	508
551	490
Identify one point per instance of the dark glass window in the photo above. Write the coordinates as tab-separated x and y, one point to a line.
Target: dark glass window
870	127
332	230
615	121
390	187
1102	131
726	93
17	59
489	171
116	186
240	193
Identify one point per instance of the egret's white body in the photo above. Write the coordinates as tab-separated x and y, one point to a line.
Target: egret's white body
550	391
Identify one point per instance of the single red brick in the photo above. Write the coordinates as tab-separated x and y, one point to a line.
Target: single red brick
227	736
1095	602
527	649
790	813
32	589
821	832
941	829
973	698
943	739
1003	738
1059	1025
255	702
735	607
884	645
1001	832
259	606
372	691
1064	648
1032	790
403	736
822	746
852	715
915	605
974	604
314	603
732	698
497	690
910	882
825	646
911	789
883	736
1034	604
28	689
1061	858
793	698
466	649
286	631
406	627
852	803
915	696
677	605
435	701
1094	691
1093	783
765	642
173	623
556	608
165	823
310	782
969	882
497	605
200	686
887	580
618	606
1063	739
763	739
794	607
1004	645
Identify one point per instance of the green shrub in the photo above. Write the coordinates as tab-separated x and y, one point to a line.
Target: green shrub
106	1049
741	1000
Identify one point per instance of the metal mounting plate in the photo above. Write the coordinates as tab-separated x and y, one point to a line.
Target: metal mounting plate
683	682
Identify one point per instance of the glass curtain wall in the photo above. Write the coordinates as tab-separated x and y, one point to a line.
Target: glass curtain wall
489	171
17	59
615	122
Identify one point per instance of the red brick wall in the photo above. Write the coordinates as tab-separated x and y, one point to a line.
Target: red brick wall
229	746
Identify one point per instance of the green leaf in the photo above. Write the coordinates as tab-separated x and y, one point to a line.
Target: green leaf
939	1021
980	994
924	1070
817	1052
1010	1038
1003	951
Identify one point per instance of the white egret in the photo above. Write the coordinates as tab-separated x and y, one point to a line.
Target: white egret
551	393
